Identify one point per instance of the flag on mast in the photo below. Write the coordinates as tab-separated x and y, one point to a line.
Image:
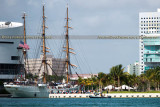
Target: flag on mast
24	45
21	44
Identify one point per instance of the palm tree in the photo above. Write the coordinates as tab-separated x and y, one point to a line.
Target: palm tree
94	82
149	76
119	73
101	80
127	79
113	74
142	82
156	77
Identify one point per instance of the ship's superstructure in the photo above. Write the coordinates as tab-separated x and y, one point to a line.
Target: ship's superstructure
11	60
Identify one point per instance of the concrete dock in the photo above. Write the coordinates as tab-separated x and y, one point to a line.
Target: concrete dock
113	95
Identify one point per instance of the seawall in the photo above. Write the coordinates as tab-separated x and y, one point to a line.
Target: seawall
113	95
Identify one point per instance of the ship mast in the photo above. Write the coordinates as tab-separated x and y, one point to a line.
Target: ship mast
44	48
24	30
68	64
67	47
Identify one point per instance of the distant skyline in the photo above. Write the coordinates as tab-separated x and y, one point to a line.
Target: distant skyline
89	17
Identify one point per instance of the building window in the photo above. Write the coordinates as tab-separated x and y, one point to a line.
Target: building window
15	57
10	68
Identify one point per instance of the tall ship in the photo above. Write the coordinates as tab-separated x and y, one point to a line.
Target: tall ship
41	88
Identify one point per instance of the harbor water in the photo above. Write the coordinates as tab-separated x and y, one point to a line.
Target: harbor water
79	102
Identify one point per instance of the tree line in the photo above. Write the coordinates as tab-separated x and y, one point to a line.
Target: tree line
150	80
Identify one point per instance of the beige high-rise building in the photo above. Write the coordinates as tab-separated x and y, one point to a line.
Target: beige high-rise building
55	65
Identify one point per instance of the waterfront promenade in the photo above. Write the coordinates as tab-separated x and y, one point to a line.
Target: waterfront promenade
113	95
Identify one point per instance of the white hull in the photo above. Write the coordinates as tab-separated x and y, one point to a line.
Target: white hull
40	91
28	91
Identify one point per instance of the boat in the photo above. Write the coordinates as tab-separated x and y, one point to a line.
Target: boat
41	89
28	88
97	95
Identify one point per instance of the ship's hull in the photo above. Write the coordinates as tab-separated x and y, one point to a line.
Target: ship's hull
27	91
37	91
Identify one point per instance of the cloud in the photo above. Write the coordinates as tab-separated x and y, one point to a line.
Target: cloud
103	3
11	2
153	3
34	2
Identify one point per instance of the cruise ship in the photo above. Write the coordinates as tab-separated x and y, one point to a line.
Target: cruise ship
9	51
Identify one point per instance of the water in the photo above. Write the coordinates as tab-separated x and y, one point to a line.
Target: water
79	102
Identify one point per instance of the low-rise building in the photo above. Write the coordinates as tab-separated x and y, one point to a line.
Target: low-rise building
83	76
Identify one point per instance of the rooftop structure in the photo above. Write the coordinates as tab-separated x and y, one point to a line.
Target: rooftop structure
4	25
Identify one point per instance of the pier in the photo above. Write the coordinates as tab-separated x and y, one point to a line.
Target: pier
113	95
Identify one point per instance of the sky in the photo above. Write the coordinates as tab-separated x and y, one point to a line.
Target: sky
88	17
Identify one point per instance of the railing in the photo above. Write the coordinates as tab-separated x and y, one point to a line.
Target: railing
151	59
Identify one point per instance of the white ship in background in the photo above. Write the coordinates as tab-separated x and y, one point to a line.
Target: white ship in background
40	88
9	53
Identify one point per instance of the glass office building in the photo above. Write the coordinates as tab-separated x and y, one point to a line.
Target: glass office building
149	30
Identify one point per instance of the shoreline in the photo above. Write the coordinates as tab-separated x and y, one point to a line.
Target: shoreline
113	95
